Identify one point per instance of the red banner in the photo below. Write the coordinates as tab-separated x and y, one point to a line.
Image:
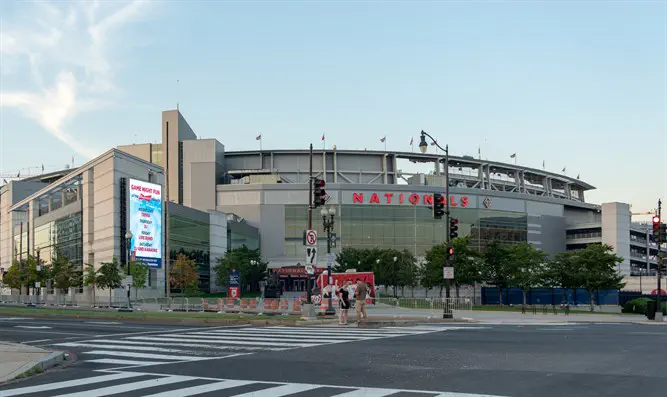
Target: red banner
339	278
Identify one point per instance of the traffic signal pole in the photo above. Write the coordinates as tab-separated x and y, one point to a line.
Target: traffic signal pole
658	299
310	215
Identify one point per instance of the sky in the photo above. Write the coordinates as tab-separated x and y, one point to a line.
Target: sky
580	85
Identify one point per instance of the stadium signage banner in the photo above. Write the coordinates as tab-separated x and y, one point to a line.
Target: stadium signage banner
406	199
146	222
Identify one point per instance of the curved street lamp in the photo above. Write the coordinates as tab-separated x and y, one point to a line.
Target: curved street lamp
423	147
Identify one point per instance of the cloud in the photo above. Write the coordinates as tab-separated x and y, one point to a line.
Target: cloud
58	61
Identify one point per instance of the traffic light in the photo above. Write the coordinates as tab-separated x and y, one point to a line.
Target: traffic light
438	206
453	228
319	195
656	228
450	254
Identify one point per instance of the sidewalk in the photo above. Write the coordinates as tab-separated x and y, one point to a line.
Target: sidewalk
16	359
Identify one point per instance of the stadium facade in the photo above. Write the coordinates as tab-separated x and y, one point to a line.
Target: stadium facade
219	200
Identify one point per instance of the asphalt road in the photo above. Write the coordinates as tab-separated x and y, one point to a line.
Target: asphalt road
499	360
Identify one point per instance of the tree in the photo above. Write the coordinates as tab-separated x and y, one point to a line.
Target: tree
361	259
247	262
497	268
467	263
12	278
387	270
90	277
408	272
528	264
63	273
562	271
184	274
434	261
139	272
598	265
109	276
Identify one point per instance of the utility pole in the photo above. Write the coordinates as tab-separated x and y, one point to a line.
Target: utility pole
310	216
658	314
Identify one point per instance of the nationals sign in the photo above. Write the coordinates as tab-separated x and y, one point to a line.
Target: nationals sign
145	212
406	198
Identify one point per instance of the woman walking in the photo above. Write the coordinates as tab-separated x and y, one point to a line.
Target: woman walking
344	299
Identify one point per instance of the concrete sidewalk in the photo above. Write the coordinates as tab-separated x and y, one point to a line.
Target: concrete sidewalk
17	359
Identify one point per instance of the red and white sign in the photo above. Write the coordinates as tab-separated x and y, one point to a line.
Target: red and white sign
339	278
311	237
406	198
233	292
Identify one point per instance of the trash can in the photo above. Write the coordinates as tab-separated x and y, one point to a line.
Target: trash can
650	309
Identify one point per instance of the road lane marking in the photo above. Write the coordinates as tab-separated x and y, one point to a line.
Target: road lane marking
69	383
36	341
32	326
195	390
140	355
279	391
127	387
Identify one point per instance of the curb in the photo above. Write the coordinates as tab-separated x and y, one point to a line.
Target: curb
51	360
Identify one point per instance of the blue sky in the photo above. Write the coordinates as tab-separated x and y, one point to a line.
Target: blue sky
581	85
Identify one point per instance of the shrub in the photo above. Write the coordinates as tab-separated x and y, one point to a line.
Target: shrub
639	306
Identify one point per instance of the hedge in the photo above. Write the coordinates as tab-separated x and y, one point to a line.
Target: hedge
639	306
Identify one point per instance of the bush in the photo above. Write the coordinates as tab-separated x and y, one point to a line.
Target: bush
639	305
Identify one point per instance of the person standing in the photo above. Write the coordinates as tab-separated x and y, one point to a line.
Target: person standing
360	295
344	299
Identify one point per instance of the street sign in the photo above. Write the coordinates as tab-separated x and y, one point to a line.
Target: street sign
311	255
310	270
311	238
330	259
448	272
333	240
37	284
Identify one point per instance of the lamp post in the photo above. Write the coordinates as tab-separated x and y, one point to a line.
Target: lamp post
253	262
328	223
128	237
423	147
38	283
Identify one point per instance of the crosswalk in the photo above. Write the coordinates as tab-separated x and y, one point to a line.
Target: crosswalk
135	384
215	343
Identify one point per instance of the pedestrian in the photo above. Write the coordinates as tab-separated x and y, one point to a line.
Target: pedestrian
360	295
344	299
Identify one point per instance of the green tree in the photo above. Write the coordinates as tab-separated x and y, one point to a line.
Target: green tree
184	274
247	262
109	276
387	268
498	269
63	273
139	272
598	265
408	272
12	278
528	265
467	263
563	271
434	261
90	277
361	259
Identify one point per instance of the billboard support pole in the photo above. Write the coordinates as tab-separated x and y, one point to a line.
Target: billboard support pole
166	212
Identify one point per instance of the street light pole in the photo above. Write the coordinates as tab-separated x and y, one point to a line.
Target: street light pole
660	261
38	283
423	146
328	228
128	237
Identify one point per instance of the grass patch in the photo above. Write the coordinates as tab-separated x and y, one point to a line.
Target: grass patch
37	369
140	315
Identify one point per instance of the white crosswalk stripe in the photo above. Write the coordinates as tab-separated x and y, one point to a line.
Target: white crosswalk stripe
208	343
153	385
